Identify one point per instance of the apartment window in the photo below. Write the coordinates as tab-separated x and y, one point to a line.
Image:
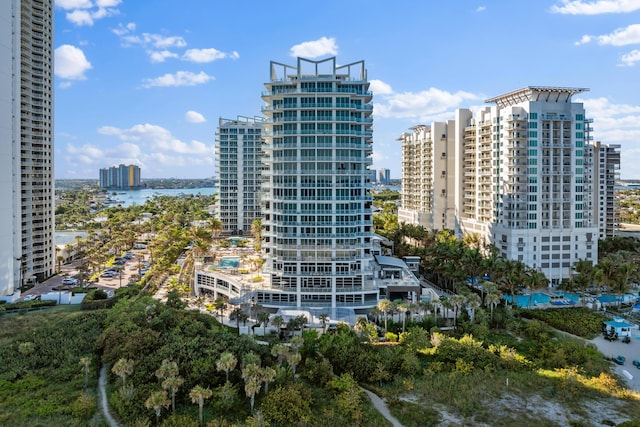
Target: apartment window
533	125
533	116
533	134
533	143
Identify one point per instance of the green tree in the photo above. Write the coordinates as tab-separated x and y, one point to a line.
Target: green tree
263	318
157	400
227	362
288	405
385	306
122	368
198	395
85	362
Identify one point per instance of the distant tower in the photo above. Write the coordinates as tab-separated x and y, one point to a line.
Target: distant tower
317	214
26	152
122	177
384	176
238	164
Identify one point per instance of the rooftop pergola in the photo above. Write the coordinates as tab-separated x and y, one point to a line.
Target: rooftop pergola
536	93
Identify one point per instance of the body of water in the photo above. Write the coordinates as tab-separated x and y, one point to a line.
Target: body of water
139	197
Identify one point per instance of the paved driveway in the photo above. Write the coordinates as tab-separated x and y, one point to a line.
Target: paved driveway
630	351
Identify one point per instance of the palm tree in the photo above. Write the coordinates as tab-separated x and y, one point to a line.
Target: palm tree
492	299
198	395
263	319
473	302
402	308
279	351
268	375
457	301
293	359
385	306
85	362
220	304
156	401
437	305
534	279
324	319
122	368
236	314
252	376
277	321
173	384
226	363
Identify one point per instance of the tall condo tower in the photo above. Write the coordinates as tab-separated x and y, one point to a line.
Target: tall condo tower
523	174
238	164
317	207
26	151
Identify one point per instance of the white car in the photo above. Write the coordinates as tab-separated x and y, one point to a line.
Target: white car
69	281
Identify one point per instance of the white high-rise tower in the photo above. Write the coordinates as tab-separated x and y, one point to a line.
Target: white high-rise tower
317	208
26	143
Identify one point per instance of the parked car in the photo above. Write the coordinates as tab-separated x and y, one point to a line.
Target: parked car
108	273
619	360
69	281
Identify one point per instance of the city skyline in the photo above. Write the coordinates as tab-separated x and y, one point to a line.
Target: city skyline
162	77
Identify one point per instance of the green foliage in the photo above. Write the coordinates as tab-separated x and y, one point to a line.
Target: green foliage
45	383
176	420
287	405
578	321
413	415
84	406
391	337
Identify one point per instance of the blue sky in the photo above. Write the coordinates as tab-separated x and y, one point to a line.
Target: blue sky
145	81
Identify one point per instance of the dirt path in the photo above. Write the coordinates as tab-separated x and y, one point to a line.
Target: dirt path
382	408
104	405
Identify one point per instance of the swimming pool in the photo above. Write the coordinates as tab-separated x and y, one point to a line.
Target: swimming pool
229	262
563	298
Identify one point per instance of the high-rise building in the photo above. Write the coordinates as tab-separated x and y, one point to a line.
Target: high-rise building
602	168
238	164
122	177
317	209
384	176
523	174
26	153
428	181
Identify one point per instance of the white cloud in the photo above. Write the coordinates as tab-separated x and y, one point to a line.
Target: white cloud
124	29
194	117
378	87
70	63
481	9
80	17
316	48
155	138
617	124
180	78
161	55
629	59
203	55
148	39
432	103
581	7
74	4
108	3
86	12
620	37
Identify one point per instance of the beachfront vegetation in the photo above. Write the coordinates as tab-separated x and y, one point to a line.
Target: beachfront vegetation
157	355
